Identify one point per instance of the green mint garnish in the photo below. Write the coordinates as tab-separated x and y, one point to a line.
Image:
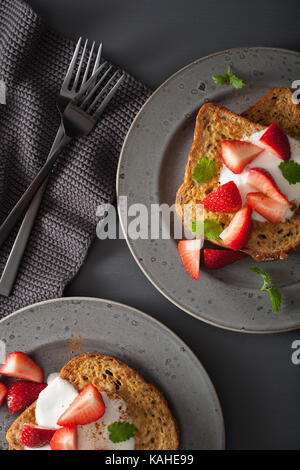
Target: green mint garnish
205	170
229	78
291	171
274	294
211	228
121	431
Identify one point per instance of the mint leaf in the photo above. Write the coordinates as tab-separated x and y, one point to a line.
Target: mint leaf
264	276
205	170
212	229
121	431
275	298
274	294
221	79
197	228
236	82
229	78
291	171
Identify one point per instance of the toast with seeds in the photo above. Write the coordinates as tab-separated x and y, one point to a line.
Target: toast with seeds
215	124
157	429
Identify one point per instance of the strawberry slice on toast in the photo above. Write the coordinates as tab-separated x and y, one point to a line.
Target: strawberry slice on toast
87	407
237	234
64	439
272	210
36	436
225	198
21	394
236	154
277	141
261	180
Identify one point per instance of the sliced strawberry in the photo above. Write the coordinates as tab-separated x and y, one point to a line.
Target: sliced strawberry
260	179
225	198
36	436
236	154
276	140
269	208
64	439
87	407
3	392
215	259
21	366
190	254
21	394
237	234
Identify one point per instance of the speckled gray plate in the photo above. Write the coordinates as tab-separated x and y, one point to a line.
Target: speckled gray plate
151	169
53	332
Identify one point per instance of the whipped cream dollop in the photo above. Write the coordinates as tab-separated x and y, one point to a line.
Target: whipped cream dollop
58	396
270	162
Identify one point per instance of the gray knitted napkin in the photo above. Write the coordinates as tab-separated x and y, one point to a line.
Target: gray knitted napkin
33	62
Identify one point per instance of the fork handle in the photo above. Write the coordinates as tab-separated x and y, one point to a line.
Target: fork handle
10	270
27	196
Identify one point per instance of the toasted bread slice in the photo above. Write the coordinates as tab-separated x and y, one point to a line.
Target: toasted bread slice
213	125
277	106
157	429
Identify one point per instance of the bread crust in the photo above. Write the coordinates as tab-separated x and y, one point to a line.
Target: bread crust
148	408
214	124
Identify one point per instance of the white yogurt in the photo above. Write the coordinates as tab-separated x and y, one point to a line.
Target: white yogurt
58	396
270	162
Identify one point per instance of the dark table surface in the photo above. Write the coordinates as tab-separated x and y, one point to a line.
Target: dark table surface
258	386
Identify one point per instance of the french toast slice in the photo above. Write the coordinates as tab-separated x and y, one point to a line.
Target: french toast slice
157	428
214	124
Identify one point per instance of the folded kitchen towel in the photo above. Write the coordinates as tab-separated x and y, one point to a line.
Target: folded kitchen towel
33	62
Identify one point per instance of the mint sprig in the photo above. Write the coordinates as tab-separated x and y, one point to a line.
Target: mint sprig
205	170
274	293
209	228
291	171
229	78
121	431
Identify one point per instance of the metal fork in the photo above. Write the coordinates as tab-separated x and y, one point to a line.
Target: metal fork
80	110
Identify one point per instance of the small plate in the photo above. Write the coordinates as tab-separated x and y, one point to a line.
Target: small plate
53	332
151	169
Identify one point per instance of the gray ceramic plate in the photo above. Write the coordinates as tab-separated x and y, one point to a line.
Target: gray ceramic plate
151	169
49	331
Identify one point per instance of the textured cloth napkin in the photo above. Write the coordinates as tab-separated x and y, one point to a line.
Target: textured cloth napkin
33	62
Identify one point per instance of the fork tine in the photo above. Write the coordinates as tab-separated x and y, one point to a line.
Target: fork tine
80	66
108	97
70	70
90	81
86	72
95	88
102	91
98	58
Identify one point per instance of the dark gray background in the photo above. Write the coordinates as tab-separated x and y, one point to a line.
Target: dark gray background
258	386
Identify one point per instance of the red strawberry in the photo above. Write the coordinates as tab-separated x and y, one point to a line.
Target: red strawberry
269	208
260	179
236	154
21	366
64	439
87	407
276	141
3	392
237	234
225	198
21	394
214	259
36	436
190	254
